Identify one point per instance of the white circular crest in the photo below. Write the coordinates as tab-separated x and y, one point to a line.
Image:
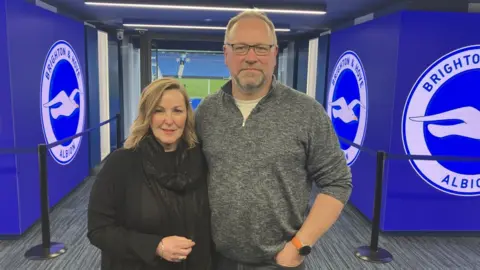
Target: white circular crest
62	101
344	98
416	124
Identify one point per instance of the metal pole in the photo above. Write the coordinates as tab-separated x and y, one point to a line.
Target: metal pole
46	250
373	253
381	156
42	165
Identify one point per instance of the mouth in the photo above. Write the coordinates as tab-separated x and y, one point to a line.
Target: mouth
251	69
168	131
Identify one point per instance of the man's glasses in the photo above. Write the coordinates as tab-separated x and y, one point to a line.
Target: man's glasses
242	49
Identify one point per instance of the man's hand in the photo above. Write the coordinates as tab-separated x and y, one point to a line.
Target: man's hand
289	256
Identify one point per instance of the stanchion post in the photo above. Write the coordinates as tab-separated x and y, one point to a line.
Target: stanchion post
119	131
381	156
373	253
44	211
46	250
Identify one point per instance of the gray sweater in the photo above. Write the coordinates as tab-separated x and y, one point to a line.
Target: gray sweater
261	173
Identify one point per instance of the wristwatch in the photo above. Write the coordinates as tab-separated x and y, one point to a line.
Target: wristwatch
303	249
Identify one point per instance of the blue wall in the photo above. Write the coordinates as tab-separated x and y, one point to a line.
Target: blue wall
26	22
426	37
405	78
376	44
8	177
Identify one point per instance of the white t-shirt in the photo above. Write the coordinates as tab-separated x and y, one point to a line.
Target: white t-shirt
246	107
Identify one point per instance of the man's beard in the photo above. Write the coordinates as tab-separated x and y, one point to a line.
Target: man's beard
250	87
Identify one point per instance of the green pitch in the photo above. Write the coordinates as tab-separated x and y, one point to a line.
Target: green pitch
197	87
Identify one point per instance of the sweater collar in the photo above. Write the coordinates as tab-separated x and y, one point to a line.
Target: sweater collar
273	92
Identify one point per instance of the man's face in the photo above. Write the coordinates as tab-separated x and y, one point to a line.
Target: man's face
250	69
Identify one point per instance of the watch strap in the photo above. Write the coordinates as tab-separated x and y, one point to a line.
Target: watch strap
297	243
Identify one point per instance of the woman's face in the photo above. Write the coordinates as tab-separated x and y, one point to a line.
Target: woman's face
169	119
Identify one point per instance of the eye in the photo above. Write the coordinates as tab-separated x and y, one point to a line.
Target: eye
262	49
240	48
158	110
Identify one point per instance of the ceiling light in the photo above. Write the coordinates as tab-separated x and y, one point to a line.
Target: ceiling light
196	27
185	7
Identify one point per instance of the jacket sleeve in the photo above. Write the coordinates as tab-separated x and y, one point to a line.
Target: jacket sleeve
326	163
105	229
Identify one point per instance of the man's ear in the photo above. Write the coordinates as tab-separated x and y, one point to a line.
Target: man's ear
225	53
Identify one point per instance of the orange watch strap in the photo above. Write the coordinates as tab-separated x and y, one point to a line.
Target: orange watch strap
296	242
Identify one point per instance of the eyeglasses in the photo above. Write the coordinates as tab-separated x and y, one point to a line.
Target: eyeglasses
243	49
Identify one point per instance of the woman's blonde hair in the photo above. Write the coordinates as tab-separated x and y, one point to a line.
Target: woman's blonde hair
149	100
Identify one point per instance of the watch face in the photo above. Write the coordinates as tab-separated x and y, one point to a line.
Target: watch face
305	250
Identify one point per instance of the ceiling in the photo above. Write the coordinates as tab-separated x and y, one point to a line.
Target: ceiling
114	17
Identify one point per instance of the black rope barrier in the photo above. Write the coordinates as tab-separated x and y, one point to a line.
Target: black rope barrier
434	157
48	249
372	252
16	151
51	145
361	148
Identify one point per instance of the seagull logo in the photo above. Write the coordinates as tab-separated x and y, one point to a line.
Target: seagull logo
347	102
345	111
62	102
67	106
469	126
442	117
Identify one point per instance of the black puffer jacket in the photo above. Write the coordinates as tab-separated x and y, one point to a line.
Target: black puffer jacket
143	195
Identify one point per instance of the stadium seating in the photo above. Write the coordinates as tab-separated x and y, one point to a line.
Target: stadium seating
200	65
167	62
206	66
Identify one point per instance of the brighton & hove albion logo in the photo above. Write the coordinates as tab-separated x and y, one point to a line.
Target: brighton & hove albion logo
347	102
62	101
442	117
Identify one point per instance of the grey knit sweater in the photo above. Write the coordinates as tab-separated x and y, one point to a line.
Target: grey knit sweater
261	173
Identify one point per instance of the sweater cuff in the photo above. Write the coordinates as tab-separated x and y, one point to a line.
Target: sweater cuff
145	246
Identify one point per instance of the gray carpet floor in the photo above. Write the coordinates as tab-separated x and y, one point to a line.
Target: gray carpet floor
334	251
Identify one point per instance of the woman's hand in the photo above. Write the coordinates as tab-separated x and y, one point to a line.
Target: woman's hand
175	248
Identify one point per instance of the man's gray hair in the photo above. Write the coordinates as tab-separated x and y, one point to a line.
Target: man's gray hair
251	13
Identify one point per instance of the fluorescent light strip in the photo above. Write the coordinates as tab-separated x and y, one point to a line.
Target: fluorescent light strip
188	27
269	10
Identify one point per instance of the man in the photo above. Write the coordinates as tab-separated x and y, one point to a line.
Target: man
265	143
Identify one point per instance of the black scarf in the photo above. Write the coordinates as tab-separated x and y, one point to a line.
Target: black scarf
176	178
172	170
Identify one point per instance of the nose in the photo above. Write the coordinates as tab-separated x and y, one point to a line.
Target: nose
168	119
251	57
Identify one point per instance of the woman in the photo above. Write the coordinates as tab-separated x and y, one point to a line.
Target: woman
149	205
